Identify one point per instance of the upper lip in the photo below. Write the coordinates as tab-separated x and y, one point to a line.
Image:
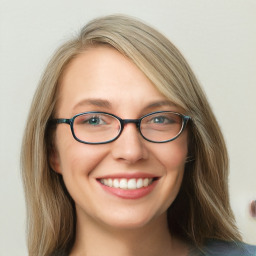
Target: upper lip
128	175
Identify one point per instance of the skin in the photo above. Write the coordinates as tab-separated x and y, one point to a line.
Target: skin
106	224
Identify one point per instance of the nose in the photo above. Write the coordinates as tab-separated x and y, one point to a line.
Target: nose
129	147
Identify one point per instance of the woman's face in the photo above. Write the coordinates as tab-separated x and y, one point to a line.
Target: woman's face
101	79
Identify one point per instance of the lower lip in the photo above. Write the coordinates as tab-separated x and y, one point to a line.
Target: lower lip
130	193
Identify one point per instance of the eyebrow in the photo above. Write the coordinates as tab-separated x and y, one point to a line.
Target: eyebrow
94	102
97	102
160	104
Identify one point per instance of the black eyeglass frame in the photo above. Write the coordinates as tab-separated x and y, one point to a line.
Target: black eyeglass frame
138	121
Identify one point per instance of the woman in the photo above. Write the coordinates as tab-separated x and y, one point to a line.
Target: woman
122	154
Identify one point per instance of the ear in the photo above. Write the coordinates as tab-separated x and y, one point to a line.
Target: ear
54	160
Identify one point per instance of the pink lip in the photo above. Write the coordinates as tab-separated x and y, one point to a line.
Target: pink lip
129	193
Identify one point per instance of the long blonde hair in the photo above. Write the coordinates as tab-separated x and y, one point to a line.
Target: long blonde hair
201	210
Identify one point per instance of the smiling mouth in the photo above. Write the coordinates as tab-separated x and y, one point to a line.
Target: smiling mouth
127	184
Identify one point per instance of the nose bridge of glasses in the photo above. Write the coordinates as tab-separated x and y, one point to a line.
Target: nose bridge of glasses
134	121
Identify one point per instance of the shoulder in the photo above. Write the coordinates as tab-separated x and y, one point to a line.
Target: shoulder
224	248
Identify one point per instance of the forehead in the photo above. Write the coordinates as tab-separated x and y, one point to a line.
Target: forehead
104	73
101	65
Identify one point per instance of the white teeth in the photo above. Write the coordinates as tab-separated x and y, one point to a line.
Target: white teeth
132	184
123	183
127	183
116	183
110	183
139	183
145	182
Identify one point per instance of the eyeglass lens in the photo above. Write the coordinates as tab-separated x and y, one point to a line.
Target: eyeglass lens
100	127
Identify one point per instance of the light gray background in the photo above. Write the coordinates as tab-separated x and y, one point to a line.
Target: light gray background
217	37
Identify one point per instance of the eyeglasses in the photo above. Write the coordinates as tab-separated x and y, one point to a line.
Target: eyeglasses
100	127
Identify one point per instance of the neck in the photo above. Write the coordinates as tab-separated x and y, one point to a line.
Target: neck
152	239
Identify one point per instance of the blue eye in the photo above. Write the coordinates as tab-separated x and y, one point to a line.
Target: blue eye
159	119
91	120
94	121
162	120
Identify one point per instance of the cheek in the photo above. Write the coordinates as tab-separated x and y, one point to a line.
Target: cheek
173	154
76	157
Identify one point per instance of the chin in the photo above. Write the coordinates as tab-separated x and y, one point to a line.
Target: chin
132	220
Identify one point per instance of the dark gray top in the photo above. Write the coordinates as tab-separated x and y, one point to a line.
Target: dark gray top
223	248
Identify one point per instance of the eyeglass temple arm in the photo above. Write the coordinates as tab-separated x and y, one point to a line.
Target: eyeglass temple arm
60	121
186	119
